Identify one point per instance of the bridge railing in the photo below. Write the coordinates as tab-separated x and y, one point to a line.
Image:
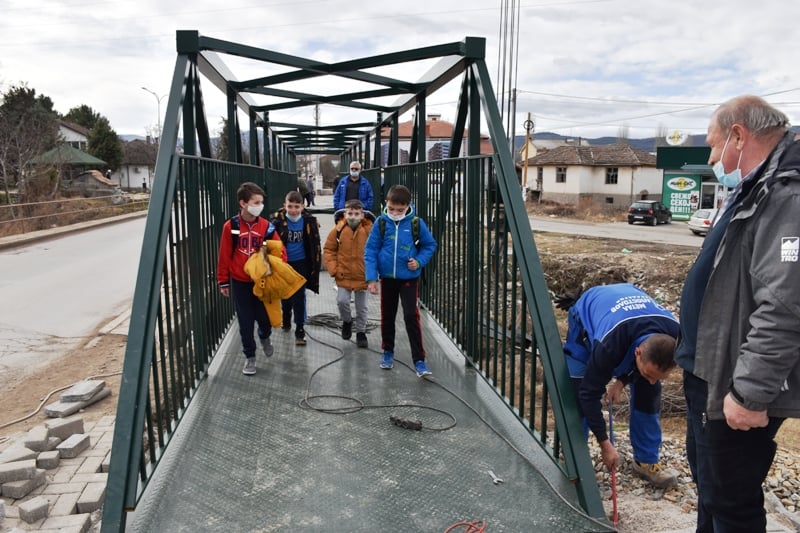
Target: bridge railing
179	317
497	313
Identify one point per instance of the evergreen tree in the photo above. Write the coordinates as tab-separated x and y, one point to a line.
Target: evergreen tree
104	143
83	115
28	128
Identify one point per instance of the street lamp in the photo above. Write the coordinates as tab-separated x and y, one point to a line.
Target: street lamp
158	99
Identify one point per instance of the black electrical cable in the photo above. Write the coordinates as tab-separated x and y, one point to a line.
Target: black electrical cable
333	322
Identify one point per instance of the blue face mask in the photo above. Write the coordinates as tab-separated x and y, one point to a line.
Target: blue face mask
728	179
294	218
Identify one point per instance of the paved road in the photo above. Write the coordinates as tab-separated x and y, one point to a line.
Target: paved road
676	233
57	292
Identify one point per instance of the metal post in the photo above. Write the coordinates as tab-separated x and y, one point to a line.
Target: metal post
158	100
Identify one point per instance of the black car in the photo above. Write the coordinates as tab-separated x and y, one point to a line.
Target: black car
649	212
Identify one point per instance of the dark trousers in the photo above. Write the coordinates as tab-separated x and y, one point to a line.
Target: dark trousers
728	465
406	291
296	303
249	310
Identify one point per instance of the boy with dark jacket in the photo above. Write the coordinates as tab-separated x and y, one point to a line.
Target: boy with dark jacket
299	231
242	236
399	246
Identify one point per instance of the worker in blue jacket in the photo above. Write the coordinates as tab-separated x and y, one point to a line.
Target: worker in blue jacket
618	331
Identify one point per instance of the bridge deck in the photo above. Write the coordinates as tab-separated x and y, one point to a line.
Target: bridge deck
249	457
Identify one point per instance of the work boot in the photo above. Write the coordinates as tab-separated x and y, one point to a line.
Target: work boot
655	474
347	330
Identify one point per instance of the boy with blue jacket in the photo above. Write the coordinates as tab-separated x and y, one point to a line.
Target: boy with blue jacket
397	249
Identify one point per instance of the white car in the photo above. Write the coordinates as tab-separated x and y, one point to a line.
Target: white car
701	220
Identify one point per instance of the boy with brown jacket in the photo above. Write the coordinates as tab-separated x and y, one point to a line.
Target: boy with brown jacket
344	259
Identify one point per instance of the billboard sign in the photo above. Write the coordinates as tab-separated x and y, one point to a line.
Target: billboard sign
681	194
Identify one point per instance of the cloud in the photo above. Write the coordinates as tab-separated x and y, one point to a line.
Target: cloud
586	67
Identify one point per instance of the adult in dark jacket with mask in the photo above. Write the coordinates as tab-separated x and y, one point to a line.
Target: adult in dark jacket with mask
353	187
739	342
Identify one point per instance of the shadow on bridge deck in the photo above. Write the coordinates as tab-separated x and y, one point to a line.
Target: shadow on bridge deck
249	457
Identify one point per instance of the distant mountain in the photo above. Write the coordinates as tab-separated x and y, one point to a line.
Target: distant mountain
128	138
648	144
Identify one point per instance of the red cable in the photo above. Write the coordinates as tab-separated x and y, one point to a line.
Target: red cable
615	516
478	526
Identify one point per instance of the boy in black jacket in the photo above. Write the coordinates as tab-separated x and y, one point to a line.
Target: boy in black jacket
299	232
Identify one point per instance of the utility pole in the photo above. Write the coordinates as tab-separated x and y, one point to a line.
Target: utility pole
318	171
529	125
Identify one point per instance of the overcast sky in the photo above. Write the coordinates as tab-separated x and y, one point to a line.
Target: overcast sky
586	67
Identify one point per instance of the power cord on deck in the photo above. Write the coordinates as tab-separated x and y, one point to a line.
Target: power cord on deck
332	322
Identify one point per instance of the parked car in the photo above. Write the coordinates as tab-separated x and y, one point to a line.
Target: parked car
700	221
650	212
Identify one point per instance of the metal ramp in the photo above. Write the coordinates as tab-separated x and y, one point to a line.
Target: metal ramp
249	457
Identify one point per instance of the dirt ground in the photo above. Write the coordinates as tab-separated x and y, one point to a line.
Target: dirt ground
95	356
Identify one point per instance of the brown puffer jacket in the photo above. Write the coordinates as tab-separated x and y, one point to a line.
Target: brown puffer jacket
344	254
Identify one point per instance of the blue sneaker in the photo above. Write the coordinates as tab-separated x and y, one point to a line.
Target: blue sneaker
388	360
422	368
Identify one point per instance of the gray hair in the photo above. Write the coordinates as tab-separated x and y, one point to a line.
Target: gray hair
752	112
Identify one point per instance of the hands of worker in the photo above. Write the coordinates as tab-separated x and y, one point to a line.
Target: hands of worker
614	391
225	291
741	418
609	454
373	287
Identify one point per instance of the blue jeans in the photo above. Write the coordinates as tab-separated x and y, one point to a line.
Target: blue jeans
729	466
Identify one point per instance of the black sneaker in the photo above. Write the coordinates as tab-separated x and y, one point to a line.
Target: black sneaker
300	337
347	330
361	340
287	326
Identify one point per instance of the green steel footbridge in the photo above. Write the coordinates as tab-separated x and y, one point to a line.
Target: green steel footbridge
309	443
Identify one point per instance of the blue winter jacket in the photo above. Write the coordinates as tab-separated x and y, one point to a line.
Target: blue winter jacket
615	319
365	193
387	255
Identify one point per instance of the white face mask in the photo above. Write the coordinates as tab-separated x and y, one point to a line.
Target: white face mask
728	179
354	173
396	218
294	218
255	210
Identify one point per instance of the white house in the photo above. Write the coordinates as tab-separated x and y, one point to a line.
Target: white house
138	165
73	134
612	175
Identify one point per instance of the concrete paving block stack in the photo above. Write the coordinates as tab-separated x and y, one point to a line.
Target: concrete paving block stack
61	485
77	397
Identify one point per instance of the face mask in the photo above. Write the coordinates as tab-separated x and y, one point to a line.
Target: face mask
353	222
354	173
255	210
730	179
396	218
294	218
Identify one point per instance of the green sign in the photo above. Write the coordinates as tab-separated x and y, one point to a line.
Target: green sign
681	194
